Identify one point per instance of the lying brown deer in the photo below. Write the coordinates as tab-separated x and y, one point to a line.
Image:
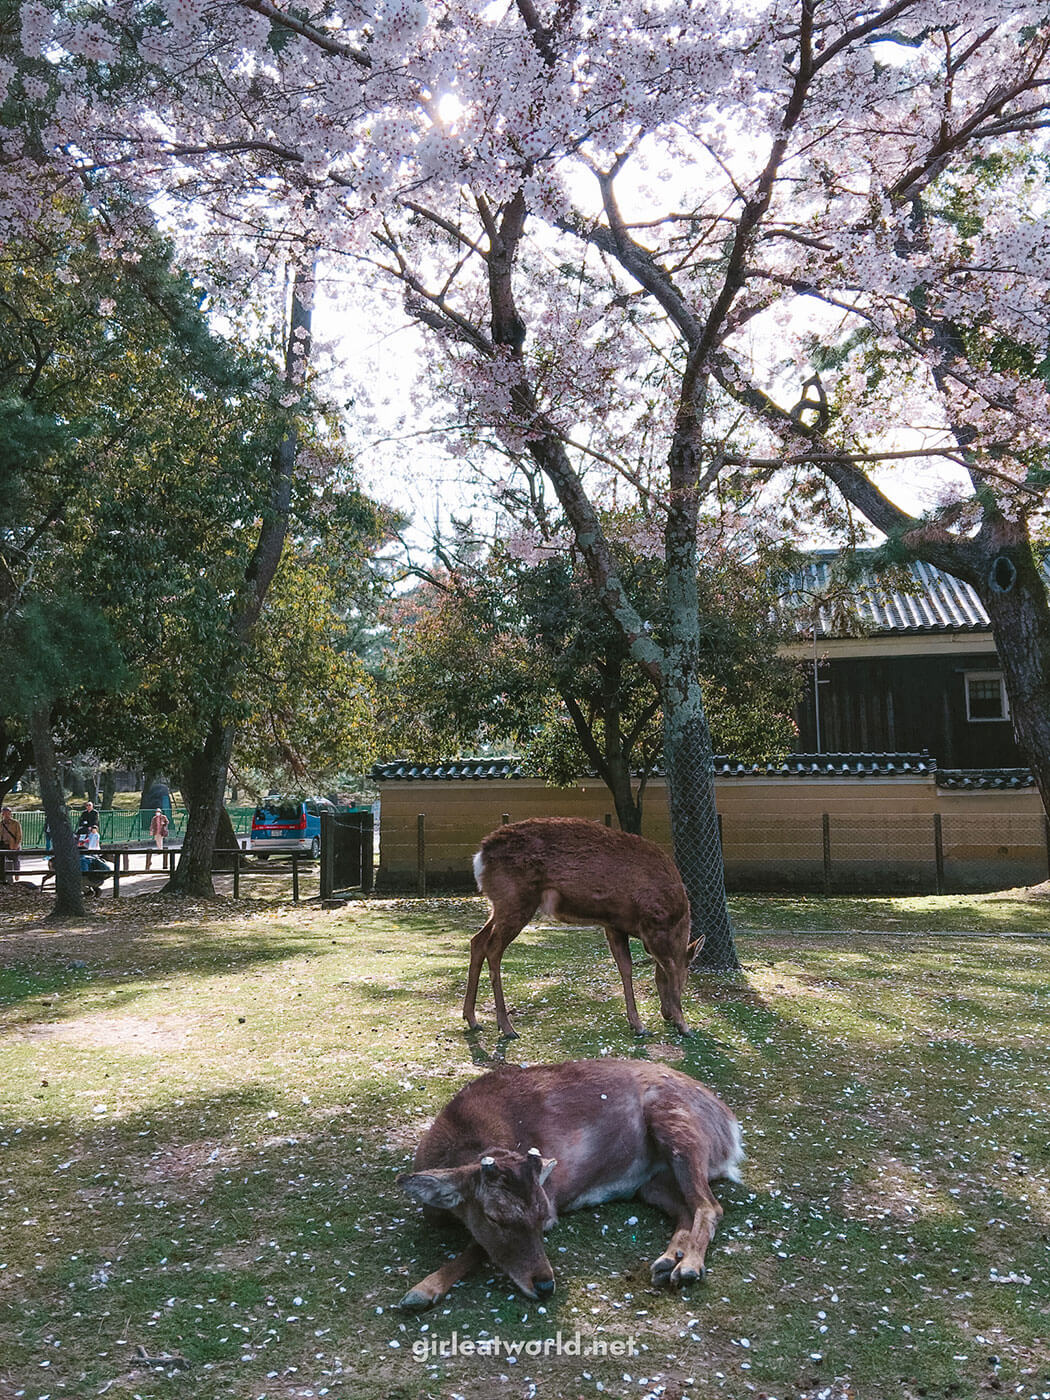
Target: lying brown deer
579	872
517	1146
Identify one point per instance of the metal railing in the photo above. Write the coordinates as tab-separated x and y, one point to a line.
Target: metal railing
119	825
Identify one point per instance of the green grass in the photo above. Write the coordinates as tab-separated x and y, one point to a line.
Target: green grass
1009	911
203	1110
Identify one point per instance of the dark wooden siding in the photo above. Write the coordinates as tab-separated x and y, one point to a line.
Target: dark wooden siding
904	704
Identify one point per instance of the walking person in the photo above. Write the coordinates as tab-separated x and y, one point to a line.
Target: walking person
158	830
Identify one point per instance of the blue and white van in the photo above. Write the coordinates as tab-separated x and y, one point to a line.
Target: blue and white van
288	824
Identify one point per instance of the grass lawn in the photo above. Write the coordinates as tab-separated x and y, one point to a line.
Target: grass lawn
203	1108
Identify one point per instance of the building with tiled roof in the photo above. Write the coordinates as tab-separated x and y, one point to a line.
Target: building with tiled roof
903	661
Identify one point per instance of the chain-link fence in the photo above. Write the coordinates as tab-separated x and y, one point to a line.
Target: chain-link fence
696	840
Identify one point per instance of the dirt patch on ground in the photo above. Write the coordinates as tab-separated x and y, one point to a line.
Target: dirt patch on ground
890	1187
196	1162
116	1032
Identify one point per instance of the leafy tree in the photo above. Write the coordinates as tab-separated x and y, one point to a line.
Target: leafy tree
512	653
309	702
608	221
16	753
133	428
57	648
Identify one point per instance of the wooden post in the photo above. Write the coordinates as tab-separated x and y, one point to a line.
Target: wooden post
1046	835
116	875
608	819
938	851
421	856
237	873
505	819
826	829
295	877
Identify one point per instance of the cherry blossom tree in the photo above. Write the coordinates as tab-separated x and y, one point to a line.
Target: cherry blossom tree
697	179
654	242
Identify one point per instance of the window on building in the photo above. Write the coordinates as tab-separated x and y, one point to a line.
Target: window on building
986	696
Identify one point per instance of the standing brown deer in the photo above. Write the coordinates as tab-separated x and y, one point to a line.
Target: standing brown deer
580	872
517	1146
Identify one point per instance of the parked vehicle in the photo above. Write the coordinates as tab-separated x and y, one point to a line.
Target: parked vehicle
288	824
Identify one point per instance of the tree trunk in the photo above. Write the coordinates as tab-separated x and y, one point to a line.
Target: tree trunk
203	790
688	764
1011	588
612	764
69	889
628	806
225	840
687	743
694	825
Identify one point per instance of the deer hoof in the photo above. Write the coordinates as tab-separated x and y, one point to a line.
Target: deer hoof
415	1300
661	1271
509	1034
683	1277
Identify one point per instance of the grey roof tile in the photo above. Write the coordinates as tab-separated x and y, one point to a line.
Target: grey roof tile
937	602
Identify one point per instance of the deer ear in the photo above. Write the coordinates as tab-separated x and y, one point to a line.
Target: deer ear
546	1164
443	1188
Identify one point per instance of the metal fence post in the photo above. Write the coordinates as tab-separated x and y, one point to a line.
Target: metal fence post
368	846
421	855
327	854
825	823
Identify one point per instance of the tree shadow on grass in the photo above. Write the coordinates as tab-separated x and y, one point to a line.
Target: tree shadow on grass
47	989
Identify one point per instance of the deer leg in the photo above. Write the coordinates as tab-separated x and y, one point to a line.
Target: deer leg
429	1290
497	947
670	996
662	1191
478	946
620	947
686	1154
